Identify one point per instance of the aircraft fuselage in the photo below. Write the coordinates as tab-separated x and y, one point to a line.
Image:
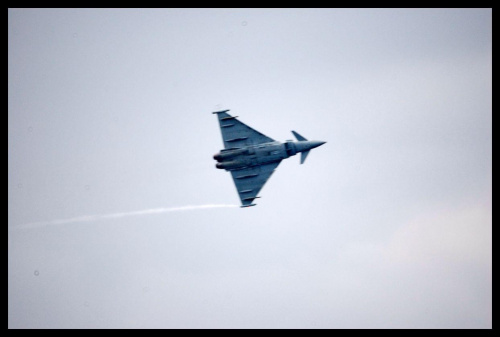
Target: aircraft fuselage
233	159
254	155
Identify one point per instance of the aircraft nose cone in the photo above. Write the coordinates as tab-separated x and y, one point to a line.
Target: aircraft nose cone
303	146
316	143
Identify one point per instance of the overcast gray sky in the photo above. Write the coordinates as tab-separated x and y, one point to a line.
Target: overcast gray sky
388	225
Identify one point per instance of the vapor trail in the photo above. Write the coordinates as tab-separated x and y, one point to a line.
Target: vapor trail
87	218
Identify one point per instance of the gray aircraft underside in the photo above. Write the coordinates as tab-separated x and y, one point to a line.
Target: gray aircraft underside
252	157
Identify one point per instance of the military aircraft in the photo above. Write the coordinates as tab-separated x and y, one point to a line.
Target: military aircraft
252	157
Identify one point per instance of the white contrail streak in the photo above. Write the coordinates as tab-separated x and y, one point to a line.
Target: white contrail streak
87	218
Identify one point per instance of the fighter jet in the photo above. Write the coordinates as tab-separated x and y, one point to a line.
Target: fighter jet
252	157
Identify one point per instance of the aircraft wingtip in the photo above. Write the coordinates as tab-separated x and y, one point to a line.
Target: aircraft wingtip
218	112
